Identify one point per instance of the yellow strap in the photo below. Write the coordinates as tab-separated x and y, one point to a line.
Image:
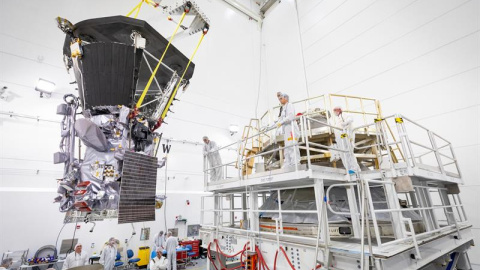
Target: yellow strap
343	135
181	78
399	120
144	93
138	10
151	3
137	7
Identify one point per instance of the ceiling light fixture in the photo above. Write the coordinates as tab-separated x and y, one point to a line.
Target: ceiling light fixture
233	129
45	88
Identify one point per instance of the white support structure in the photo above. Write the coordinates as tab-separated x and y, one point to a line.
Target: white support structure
386	226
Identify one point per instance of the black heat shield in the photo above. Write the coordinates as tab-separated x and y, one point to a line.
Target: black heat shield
109	65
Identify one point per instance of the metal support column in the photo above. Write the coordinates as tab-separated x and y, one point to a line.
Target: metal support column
323	230
244	206
254	222
232	207
397	217
354	210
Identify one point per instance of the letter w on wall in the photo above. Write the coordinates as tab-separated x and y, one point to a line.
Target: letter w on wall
166	148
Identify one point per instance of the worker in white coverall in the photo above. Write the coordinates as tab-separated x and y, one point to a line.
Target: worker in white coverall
290	131
76	258
348	158
279	131
213	157
158	262
6	263
171	248
109	254
159	241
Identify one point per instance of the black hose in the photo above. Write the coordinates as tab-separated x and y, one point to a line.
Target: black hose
58	236
73	238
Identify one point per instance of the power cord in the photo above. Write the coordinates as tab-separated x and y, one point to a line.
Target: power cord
58	236
74	232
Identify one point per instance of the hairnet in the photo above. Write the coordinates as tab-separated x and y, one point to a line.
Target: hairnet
159	249
205	137
77	245
287	97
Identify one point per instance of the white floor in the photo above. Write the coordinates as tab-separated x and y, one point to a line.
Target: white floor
199	264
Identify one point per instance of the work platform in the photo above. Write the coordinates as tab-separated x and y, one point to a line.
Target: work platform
400	209
302	175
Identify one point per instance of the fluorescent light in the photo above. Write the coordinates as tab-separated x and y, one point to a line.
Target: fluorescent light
45	86
233	128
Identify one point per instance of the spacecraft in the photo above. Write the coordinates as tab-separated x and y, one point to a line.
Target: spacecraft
128	77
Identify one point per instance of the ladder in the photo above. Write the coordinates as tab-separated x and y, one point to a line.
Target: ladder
250	146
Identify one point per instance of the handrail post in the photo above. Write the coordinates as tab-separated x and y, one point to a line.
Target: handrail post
414	238
372	210
455	159
240	160
402	134
407	140
205	171
307	142
435	151
386	143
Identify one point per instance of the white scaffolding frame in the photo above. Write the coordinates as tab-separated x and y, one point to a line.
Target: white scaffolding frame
396	156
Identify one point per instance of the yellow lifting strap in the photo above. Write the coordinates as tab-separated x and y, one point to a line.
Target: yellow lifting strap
137	8
144	93
343	135
399	120
152	3
181	78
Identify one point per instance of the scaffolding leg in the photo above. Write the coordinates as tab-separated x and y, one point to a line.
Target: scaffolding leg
464	261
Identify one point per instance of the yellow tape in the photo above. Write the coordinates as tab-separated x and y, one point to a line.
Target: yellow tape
144	93
343	135
378	119
181	78
399	120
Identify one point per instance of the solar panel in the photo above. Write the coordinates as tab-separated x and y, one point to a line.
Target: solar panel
137	193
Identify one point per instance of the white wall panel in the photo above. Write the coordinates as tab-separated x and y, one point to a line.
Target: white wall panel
420	58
